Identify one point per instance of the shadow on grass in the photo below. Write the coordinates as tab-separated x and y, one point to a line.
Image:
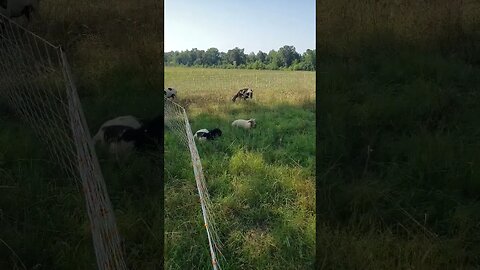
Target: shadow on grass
399	158
43	217
43	220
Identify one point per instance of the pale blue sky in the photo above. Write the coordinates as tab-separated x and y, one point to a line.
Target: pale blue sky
253	25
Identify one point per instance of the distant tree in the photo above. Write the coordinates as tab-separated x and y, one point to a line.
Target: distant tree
309	58
258	65
223	58
286	55
273	60
212	57
285	58
172	58
251	58
168	57
236	56
197	57
184	58
270	56
261	56
193	54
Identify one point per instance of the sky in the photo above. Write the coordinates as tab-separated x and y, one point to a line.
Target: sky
248	24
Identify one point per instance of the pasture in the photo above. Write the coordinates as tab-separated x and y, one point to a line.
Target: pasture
261	181
399	151
115	55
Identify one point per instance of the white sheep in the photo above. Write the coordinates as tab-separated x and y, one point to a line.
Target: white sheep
170	93
246	124
19	8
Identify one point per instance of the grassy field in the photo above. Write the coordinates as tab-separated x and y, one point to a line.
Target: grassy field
402	80
114	48
261	181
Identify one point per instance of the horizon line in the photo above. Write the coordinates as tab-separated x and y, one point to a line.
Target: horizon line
237	47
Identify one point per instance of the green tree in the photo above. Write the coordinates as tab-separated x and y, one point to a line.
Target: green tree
286	56
212	57
262	57
184	58
251	58
273	60
223	58
236	56
309	58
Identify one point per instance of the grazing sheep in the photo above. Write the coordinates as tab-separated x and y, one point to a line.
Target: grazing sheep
246	124
216	132
121	121
205	134
111	133
200	134
245	93
19	8
170	93
124	134
146	136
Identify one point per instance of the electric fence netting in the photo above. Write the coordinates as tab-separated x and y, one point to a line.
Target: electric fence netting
36	83
176	120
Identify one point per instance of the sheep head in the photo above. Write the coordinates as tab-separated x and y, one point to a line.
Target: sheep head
252	123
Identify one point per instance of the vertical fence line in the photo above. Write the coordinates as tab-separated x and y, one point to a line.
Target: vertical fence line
177	120
36	82
198	171
104	232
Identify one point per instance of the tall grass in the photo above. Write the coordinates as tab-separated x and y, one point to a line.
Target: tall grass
344	27
261	181
114	48
398	148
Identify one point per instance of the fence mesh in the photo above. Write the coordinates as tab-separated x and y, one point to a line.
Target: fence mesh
35	81
176	120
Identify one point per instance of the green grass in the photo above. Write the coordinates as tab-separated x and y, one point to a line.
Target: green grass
418	114
43	216
261	181
114	49
405	88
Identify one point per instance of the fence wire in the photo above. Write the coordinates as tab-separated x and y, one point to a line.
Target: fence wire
176	120
36	82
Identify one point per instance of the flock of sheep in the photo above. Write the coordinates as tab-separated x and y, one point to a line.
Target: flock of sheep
205	134
126	133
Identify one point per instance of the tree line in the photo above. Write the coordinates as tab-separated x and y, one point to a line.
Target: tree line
286	58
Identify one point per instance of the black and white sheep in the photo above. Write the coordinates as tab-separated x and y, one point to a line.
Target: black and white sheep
246	124
111	131
121	121
125	133
245	93
170	93
19	8
148	135
205	134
